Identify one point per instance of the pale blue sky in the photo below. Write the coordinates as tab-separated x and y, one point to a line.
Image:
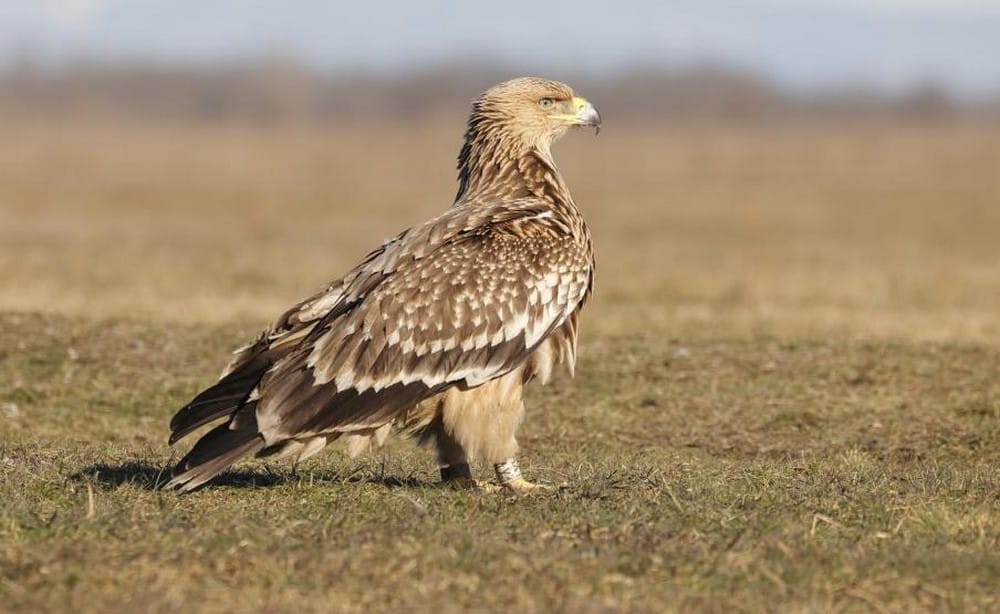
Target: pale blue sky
800	43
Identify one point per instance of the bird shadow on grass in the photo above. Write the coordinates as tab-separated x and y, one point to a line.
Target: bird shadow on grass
149	477
142	475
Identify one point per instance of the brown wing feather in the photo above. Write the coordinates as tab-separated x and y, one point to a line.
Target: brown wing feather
456	302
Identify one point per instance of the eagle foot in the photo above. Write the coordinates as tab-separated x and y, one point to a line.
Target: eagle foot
509	475
458	476
468	483
522	486
462	484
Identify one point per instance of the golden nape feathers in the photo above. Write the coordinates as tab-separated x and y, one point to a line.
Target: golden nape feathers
433	334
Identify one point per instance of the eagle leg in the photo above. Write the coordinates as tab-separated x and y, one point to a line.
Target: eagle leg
456	471
509	475
457	475
454	462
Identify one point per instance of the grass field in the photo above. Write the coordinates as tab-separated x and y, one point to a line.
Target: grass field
787	396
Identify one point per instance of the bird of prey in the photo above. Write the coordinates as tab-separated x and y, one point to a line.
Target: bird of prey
434	334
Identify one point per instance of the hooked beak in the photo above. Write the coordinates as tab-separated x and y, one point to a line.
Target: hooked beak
582	113
586	114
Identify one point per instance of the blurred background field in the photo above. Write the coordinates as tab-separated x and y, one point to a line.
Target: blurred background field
863	227
766	168
788	392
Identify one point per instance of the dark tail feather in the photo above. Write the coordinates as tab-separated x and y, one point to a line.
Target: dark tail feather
220	400
217	450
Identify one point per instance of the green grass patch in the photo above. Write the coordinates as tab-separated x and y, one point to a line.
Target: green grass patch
714	474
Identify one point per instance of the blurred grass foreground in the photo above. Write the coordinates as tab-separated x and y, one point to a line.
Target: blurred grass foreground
787	395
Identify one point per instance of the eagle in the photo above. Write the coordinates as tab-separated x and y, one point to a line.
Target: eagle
435	333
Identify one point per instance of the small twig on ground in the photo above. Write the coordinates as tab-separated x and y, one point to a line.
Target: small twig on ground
823	518
91	508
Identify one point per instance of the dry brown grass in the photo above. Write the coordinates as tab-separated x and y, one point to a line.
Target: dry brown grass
883	231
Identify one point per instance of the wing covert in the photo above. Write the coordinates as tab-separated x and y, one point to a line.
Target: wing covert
459	313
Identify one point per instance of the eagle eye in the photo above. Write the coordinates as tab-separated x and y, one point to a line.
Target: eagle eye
545	103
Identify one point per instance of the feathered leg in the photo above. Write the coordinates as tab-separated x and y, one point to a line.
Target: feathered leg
452	459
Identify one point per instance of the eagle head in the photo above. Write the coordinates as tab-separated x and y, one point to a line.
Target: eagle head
533	110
